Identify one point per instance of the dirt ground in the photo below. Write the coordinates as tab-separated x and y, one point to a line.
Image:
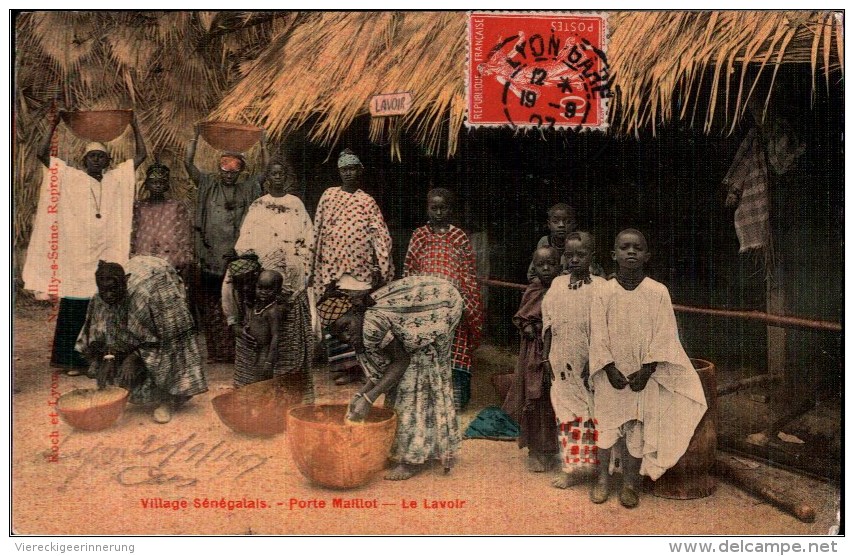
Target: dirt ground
99	480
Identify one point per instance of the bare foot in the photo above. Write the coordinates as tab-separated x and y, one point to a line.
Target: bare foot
402	471
535	464
548	460
629	497
566	480
600	491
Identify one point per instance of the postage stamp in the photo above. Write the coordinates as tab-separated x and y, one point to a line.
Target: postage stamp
537	70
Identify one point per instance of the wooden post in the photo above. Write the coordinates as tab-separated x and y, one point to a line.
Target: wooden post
775	300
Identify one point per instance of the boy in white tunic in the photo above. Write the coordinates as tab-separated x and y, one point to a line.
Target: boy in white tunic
566	340
647	394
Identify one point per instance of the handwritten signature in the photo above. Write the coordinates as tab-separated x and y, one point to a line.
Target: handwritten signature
159	461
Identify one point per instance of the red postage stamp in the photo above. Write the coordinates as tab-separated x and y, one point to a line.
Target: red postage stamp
537	70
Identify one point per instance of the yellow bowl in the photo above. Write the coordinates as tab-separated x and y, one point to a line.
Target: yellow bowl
90	409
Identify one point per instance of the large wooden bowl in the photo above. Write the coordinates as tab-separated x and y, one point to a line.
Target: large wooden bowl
228	136
333	454
98	125
691	477
260	408
90	409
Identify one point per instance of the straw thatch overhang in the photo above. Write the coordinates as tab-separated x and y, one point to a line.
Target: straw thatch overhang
324	70
315	71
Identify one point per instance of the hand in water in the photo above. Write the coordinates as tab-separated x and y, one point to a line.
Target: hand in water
358	409
106	373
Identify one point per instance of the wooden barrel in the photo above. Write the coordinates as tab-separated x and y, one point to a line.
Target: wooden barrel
260	408
691	477
336	454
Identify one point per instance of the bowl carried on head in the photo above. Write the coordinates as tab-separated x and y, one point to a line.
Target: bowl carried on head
337	454
90	409
230	136
97	125
259	409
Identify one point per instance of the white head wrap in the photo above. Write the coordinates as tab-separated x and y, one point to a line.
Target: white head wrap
95	147
347	158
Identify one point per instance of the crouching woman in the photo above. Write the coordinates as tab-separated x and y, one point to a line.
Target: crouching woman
139	335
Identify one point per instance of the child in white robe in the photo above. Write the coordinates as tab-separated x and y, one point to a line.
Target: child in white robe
566	340
647	395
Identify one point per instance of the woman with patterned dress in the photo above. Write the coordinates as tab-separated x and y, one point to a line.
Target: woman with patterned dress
441	249
403	334
161	226
351	237
139	334
278	230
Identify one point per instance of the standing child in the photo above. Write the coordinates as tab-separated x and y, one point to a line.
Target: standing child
441	249
528	399
561	221
647	395
263	320
566	341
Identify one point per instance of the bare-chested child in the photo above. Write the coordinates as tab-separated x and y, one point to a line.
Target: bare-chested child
566	345
263	320
647	396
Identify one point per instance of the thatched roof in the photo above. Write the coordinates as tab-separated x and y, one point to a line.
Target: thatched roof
332	63
319	75
286	70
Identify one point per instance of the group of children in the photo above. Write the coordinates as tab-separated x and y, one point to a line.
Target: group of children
602	380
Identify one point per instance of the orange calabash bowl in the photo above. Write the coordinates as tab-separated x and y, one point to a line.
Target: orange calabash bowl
229	136
260	408
98	125
90	409
335	454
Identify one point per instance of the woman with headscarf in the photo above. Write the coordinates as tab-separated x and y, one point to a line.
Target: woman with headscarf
161	226
351	237
83	215
223	200
403	334
278	231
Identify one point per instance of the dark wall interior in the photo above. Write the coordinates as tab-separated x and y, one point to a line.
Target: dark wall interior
668	185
